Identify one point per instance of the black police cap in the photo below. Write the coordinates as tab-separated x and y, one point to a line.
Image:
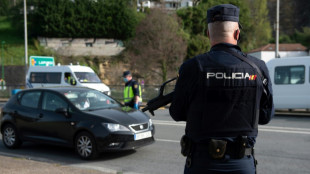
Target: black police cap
126	73
223	12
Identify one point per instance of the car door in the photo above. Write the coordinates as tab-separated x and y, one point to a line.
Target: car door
55	126
27	113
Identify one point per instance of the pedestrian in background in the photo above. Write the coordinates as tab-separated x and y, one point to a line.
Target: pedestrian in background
132	91
222	95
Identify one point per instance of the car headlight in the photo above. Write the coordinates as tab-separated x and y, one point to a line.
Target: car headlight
150	122
115	127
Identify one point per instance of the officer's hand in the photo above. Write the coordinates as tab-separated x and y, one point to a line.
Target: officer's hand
136	106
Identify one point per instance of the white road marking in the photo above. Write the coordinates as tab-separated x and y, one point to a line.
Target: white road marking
164	140
284	131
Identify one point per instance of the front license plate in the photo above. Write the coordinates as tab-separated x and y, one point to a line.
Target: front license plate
143	135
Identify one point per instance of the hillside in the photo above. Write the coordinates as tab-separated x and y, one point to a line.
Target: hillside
294	15
13	44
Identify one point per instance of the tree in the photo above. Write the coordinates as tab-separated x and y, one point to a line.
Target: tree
4	7
81	18
120	19
260	32
158	48
198	44
194	20
293	17
17	17
196	2
195	23
303	37
50	18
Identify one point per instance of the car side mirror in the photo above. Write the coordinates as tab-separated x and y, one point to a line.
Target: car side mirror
63	111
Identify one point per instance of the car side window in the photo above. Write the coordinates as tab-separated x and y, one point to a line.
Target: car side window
30	99
290	75
51	102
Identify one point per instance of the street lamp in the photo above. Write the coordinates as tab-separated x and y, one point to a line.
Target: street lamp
26	35
277	30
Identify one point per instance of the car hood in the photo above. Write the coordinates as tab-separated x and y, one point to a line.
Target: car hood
122	115
98	86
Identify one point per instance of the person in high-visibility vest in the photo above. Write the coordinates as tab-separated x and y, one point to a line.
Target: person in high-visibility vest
132	91
71	80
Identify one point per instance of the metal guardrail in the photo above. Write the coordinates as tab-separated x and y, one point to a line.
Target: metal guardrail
148	91
6	91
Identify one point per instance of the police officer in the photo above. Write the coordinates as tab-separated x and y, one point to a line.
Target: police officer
222	95
132	91
71	80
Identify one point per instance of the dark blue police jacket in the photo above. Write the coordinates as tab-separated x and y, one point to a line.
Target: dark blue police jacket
219	95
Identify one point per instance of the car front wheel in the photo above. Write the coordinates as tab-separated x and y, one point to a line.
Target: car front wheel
85	146
10	137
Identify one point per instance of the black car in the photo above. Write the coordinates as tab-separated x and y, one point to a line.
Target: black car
83	118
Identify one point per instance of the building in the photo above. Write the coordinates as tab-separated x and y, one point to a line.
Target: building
167	4
267	52
176	4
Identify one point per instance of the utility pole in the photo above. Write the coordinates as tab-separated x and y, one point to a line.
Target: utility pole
277	30
26	35
26	39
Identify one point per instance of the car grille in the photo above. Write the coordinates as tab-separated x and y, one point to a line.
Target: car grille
139	127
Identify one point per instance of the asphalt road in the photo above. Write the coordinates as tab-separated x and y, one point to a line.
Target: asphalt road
282	147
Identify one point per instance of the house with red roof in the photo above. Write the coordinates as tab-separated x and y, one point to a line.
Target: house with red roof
267	52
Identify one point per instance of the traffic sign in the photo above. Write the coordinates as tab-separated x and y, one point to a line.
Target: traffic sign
41	61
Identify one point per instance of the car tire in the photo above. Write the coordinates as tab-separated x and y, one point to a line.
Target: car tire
10	137
85	146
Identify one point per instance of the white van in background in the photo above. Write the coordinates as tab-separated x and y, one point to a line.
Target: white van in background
290	82
64	75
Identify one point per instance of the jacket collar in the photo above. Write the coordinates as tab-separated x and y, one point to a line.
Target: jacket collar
231	46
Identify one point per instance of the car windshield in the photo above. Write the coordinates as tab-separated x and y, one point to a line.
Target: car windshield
90	99
87	77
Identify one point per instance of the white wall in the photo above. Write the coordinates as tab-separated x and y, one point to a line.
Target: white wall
79	46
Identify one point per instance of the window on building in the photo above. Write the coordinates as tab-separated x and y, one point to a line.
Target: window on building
88	44
109	42
289	75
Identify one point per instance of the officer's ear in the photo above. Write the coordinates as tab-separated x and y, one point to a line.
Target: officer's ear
208	34
237	34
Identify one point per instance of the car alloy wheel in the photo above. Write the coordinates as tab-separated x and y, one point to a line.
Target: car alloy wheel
10	137
86	146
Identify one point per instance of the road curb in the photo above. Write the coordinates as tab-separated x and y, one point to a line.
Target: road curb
4	99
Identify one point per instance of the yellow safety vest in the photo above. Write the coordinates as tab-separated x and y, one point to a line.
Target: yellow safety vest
128	94
73	81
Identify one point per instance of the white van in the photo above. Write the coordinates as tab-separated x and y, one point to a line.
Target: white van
291	82
64	75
